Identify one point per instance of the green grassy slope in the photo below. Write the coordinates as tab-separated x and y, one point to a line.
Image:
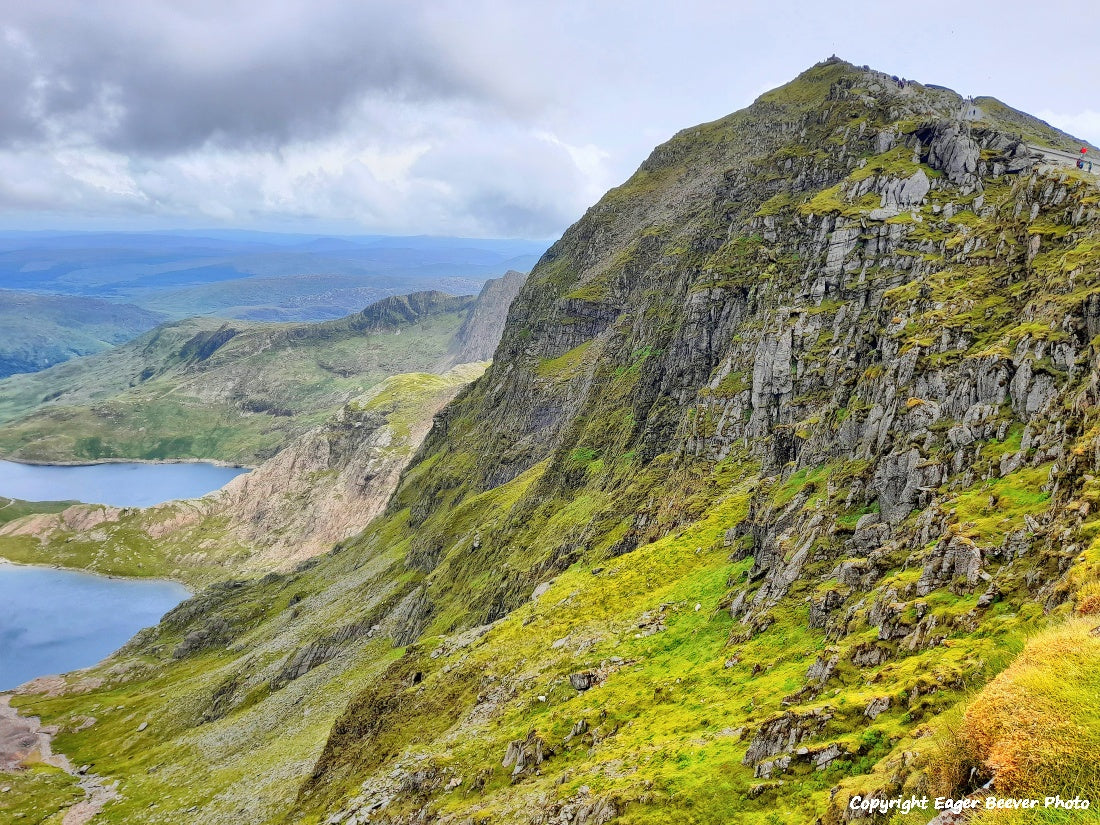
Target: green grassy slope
42	330
206	388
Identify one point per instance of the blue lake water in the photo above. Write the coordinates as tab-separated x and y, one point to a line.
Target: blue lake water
121	485
52	621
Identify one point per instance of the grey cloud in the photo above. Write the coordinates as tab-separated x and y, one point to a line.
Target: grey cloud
503	213
159	77
448	116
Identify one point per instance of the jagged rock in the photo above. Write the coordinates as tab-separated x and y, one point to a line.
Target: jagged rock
876	707
215	632
583	680
989	596
784	732
771	373
579	728
884	141
923	636
901	194
771	767
1030	391
869	654
854	573
902	481
526	755
956	561
477	338
823	668
404	623
826	756
779	579
739	603
580	809
318	652
954	152
870	533
895	620
822	606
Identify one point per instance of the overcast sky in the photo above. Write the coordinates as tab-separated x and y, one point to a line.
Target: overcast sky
472	117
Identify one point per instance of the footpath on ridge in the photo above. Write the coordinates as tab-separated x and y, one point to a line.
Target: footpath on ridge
1061	158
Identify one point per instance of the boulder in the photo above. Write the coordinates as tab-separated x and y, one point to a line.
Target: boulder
876	707
956	561
954	152
784	733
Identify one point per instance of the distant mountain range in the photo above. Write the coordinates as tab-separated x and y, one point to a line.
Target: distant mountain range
37	331
97	289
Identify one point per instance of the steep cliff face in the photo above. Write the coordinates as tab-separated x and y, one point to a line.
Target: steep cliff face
869	305
326	486
788	444
477	338
764	289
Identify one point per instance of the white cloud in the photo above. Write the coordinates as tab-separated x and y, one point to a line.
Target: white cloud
456	116
1085	125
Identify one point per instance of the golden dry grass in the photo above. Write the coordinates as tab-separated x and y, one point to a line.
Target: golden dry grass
1035	725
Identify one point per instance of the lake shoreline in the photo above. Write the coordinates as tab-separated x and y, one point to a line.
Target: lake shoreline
160	577
101	615
216	462
122	484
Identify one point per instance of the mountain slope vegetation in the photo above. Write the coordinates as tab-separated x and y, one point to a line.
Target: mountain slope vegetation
320	488
227	390
788	449
42	330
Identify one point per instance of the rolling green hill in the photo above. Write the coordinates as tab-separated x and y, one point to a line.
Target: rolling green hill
227	390
37	331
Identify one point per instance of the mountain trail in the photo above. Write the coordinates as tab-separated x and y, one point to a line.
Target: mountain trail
24	740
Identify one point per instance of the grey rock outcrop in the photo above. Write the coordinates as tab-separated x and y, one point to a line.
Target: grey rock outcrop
956	561
954	152
784	733
902	482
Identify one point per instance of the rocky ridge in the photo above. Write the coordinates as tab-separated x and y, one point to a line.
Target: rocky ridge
477	338
216	389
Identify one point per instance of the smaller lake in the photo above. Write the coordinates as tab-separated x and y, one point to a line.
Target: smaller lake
53	621
120	485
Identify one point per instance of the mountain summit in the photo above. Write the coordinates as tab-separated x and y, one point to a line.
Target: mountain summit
779	496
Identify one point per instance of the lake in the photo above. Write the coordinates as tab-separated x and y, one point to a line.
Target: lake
120	485
52	621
